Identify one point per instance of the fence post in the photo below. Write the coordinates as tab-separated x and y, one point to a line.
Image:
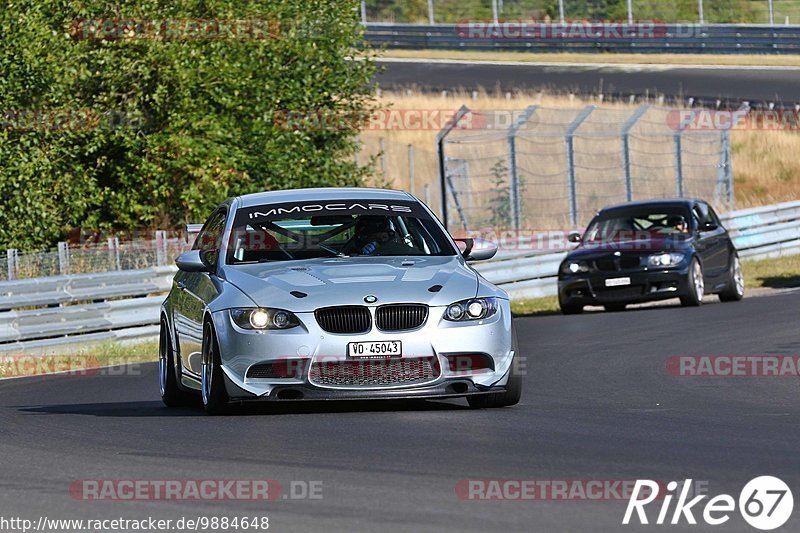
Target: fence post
514	188
724	189
626	154
63	258
161	247
382	155
430	12
440	138
569	138
11	257
411	168
678	164
113	253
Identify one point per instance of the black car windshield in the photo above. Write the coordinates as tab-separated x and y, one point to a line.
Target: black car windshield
642	224
287	234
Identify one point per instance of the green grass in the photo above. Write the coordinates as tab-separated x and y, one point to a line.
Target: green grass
88	357
782	272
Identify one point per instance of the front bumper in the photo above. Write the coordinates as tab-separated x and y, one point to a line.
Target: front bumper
310	345
645	285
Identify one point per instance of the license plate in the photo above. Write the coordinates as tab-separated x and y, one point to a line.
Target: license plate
617	282
375	349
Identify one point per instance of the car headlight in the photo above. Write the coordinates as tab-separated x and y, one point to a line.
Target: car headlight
473	309
264	318
664	260
574	267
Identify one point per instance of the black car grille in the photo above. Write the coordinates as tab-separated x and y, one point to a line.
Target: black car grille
344	319
401	317
615	264
618	294
375	373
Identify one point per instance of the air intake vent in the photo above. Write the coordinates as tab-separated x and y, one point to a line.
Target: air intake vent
345	319
401	317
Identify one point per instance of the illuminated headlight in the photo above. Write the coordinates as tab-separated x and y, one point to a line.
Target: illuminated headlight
664	260
474	309
264	318
574	267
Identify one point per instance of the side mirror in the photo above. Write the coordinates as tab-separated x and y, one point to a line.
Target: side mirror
193	261
709	226
574	236
477	249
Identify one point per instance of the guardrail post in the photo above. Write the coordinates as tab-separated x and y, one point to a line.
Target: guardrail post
12	259
161	247
411	168
514	188
569	138
63	258
626	154
113	253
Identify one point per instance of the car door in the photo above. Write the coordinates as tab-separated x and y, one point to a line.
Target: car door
196	290
712	245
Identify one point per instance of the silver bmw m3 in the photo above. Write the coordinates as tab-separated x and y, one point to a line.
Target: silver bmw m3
326	294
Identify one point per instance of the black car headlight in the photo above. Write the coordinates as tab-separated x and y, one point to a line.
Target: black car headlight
472	309
264	318
574	267
664	260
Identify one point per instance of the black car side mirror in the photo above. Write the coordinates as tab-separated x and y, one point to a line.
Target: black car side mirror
709	226
195	261
574	236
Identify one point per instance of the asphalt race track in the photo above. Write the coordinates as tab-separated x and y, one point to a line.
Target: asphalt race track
767	84
598	404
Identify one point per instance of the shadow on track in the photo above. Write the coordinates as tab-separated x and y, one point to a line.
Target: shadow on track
157	409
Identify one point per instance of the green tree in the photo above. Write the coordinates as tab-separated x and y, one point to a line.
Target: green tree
177	124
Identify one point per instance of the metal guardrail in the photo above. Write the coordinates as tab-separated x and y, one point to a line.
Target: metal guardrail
57	310
666	38
758	233
45	312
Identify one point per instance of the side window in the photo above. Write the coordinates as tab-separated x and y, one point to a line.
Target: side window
697	217
210	237
706	215
713	218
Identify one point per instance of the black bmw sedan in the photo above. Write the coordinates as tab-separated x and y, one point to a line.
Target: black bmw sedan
650	250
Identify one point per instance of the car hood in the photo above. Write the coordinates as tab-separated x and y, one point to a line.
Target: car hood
346	281
639	247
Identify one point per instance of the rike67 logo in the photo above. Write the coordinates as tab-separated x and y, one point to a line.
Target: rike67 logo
765	503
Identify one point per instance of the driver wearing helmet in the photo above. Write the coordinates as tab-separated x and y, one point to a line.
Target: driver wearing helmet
678	223
374	235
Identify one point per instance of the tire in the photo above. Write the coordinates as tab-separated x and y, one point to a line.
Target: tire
215	397
734	291
513	391
569	309
615	308
695	286
171	394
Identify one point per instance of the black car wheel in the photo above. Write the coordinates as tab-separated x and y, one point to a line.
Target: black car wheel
569	309
171	394
513	390
695	286
215	397
734	291
615	307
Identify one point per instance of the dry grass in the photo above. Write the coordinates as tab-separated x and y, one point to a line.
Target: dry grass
639	59
765	163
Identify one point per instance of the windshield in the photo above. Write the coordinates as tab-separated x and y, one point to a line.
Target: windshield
268	233
638	225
